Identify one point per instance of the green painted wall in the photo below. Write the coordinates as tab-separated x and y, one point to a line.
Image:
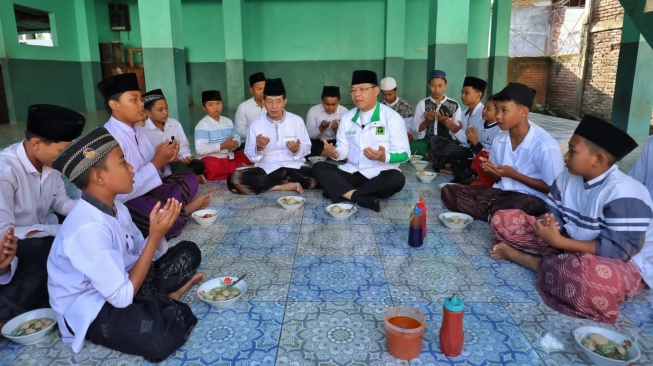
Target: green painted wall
314	30
57	75
203	31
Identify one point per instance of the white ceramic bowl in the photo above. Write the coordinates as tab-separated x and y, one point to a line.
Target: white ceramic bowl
217	282
9	328
416	157
632	354
316	159
341	215
299	202
425	176
197	216
466	220
419	164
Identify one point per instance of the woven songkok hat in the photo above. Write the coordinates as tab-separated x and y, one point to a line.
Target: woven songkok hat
84	152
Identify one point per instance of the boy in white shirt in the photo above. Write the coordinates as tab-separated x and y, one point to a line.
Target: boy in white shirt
31	192
253	107
524	161
323	119
276	143
107	283
160	127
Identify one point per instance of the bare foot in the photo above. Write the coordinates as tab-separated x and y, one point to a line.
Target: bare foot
198	203
497	251
505	251
179	293
291	186
201	178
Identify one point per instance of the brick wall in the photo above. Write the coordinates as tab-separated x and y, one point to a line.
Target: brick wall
602	59
561	91
532	71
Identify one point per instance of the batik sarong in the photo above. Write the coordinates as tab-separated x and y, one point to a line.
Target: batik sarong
581	285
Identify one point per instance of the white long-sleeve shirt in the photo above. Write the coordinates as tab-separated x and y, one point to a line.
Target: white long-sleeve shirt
139	152
418	118
171	128
643	168
316	115
209	134
27	197
381	126
89	265
246	113
276	155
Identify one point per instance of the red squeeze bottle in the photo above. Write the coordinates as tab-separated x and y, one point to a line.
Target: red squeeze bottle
422	207
452	335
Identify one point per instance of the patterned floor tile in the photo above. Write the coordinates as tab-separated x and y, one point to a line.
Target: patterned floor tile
271	213
336	240
316	214
259	240
474	239
246	334
333	333
267	276
430	279
639	310
510	282
338	278
550	333
393	240
491	338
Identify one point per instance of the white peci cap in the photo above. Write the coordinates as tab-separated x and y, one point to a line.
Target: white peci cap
388	83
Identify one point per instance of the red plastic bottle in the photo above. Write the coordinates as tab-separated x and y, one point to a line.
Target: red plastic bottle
452	335
422	207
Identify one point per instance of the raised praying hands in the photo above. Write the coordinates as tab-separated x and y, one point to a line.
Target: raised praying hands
334	125
165	152
229	143
262	142
293	145
472	135
547	229
8	247
329	150
497	170
378	155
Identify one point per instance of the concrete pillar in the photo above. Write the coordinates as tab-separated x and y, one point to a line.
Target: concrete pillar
395	34
234	56
89	53
4	63
164	57
633	91
499	46
480	13
447	42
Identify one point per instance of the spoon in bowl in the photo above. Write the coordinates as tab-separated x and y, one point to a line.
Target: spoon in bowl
238	280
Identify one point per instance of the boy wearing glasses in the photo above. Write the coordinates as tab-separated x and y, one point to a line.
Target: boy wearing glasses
372	138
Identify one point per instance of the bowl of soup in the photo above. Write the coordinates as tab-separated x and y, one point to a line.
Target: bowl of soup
205	217
30	327
218	292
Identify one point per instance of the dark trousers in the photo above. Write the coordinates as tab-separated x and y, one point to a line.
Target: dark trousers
256	180
337	182
482	202
195	166
447	154
28	289
153	325
317	146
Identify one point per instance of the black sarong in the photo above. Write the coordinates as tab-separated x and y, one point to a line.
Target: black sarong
153	326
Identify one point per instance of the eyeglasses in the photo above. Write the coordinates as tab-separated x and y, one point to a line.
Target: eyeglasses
354	91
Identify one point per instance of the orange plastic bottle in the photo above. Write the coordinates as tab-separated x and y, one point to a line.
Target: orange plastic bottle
452	335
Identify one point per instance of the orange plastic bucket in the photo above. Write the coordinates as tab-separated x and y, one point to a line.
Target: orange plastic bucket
404	330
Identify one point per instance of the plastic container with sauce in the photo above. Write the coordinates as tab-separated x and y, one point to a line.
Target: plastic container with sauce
452	335
404	329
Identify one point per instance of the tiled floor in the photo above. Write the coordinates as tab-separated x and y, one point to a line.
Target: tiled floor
318	288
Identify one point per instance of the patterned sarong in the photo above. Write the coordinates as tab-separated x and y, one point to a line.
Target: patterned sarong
581	285
181	186
482	202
